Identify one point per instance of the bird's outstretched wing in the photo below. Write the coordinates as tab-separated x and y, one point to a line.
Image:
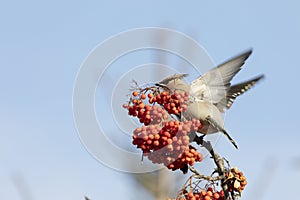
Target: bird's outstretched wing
235	91
214	84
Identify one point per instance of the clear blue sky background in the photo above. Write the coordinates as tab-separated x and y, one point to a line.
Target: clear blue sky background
43	43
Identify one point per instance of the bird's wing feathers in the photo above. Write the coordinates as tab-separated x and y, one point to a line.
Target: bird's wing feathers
213	85
230	68
235	91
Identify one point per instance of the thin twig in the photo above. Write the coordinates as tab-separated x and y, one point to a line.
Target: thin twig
208	178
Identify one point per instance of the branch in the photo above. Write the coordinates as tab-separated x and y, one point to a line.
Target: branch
218	161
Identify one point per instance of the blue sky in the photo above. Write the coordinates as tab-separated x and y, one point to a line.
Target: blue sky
43	45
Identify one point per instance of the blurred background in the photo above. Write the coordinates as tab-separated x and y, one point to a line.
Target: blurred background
43	44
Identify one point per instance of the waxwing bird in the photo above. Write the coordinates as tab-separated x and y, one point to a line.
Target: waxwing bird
211	93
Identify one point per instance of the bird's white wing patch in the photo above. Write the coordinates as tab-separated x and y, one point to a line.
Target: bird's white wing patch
209	87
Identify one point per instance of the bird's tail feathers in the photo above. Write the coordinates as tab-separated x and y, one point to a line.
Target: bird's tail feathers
219	128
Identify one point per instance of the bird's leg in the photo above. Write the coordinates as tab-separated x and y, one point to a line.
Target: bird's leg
212	122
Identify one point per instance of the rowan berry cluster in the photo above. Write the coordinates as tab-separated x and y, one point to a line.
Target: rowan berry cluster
203	194
208	194
162	138
146	114
235	180
174	103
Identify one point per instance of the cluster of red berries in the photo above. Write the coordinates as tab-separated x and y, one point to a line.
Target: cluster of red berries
173	103
163	140
235	180
208	194
188	157
145	113
205	194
